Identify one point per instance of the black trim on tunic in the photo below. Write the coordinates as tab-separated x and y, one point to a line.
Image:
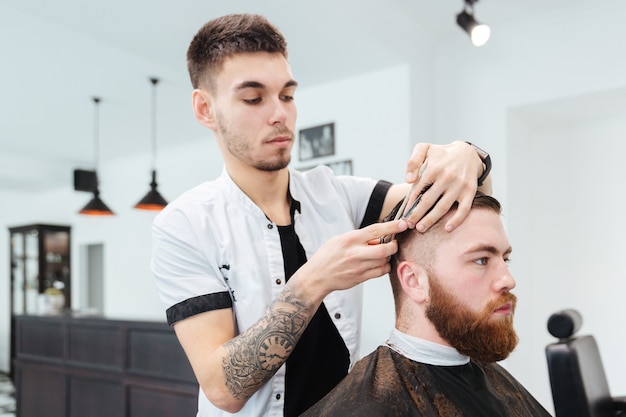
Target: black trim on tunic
375	204
196	305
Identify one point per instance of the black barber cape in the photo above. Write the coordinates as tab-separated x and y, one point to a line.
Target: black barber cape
385	383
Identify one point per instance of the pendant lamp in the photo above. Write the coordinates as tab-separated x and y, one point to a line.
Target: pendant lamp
153	200
96	206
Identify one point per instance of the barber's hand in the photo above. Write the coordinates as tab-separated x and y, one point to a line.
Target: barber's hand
347	260
453	171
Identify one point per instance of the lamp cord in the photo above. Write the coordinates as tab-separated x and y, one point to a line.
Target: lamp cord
96	131
154	121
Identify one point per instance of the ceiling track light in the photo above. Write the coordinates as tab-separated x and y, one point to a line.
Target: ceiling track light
153	200
96	206
479	33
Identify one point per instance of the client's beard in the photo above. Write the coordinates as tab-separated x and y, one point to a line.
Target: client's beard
476	335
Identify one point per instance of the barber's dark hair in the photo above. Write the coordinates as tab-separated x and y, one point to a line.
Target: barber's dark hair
225	36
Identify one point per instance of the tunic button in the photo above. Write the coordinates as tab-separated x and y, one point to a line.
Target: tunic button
278	282
337	316
278	396
270	226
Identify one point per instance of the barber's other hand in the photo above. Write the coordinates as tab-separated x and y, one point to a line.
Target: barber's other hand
453	171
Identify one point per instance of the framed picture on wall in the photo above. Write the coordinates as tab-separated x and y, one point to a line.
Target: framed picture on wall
316	142
339	167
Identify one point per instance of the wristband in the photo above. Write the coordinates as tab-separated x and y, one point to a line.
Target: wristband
484	156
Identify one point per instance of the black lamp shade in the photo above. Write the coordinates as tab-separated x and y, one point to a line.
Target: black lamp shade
153	200
96	207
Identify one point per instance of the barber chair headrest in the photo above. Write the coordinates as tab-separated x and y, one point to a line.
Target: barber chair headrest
564	323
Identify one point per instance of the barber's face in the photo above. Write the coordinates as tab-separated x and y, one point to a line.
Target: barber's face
470	303
254	110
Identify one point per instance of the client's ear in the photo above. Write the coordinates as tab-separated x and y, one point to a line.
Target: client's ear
414	281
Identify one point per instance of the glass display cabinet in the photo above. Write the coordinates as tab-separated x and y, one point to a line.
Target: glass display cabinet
40	264
40	271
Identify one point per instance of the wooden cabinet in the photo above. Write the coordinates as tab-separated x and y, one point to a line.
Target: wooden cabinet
70	367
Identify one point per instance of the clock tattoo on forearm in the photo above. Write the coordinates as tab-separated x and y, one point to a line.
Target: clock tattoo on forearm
254	356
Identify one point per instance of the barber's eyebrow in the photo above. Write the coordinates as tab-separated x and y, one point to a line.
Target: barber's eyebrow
256	84
291	83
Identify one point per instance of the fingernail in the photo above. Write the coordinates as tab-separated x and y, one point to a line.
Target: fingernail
409	177
449	227
420	228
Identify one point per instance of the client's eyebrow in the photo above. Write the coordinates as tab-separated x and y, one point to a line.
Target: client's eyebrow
489	248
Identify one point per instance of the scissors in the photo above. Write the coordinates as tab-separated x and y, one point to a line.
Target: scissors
401	214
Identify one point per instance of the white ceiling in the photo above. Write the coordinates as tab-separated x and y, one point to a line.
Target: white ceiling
56	55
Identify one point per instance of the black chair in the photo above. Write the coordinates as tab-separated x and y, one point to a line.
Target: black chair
577	378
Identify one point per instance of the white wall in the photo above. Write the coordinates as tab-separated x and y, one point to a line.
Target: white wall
365	130
561	185
567	218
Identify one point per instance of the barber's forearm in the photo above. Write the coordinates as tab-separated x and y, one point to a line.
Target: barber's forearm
253	357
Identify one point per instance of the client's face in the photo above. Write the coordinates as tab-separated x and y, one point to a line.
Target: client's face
470	303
